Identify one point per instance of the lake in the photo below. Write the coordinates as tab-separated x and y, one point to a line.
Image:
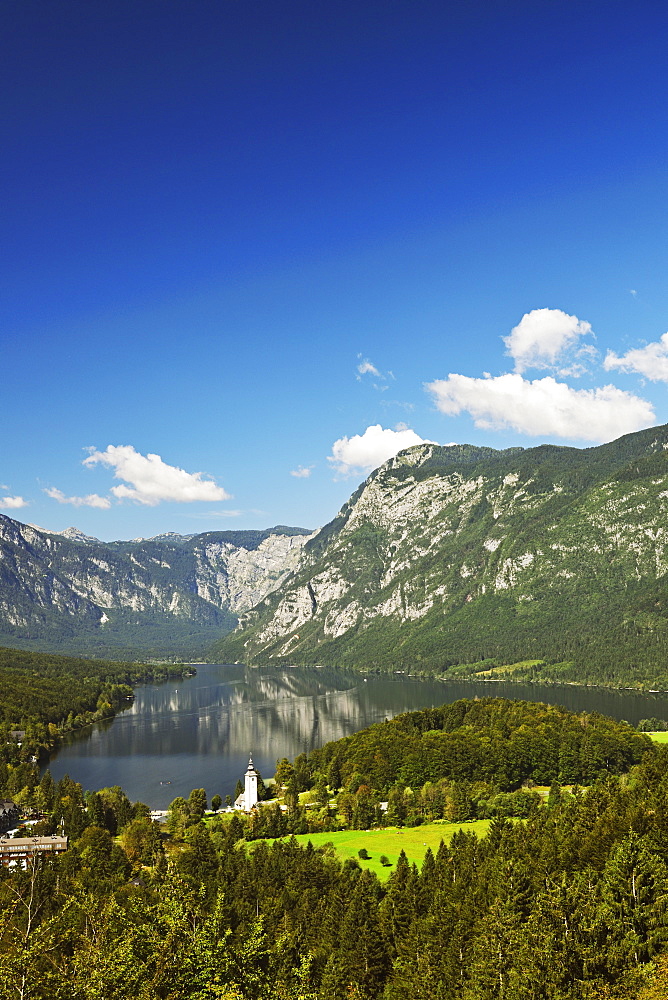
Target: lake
198	732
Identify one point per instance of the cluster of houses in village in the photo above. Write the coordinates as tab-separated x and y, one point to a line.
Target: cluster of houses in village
9	814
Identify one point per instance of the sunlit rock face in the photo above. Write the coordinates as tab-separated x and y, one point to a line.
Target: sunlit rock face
232	576
438	536
69	586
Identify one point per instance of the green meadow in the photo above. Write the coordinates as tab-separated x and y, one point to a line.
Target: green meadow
390	841
658	737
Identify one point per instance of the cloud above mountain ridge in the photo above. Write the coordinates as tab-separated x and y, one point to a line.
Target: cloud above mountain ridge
543	406
12	503
364	452
545	338
152	480
147	480
650	361
91	500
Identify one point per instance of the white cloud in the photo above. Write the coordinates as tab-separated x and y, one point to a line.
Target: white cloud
302	472
650	361
576	368
545	406
364	452
543	336
152	480
367	368
12	503
92	500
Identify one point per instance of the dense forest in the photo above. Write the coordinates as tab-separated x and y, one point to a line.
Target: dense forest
569	902
44	695
505	743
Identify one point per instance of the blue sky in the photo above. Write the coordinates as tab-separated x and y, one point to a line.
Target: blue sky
268	243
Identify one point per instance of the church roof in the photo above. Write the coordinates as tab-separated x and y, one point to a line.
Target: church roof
250	769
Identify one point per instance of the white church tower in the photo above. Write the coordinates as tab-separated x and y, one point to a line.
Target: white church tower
250	786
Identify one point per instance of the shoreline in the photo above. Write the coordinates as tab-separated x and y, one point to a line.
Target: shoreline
605	700
469	679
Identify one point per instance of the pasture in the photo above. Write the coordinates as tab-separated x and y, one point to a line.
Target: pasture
390	841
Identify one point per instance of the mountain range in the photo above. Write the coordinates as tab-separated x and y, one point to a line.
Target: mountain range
168	596
462	559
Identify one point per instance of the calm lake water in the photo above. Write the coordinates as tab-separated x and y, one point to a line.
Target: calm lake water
197	733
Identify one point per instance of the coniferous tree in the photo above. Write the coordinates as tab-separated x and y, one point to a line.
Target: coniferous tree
634	891
362	959
397	909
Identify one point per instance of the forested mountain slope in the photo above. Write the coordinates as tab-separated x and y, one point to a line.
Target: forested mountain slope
171	595
37	689
455	555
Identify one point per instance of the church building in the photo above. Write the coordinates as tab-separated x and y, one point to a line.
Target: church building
248	798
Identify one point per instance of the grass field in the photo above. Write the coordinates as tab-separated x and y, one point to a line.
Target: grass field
390	841
658	737
510	668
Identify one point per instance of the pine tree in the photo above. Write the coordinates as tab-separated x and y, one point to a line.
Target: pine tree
235	830
362	958
397	908
634	903
199	861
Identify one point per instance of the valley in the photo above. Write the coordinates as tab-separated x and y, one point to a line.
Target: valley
169	597
456	561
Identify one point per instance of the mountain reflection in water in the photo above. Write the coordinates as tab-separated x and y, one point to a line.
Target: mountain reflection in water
198	732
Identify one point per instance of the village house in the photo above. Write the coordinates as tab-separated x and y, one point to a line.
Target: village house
9	814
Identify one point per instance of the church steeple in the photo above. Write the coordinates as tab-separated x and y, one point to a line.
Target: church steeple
250	785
